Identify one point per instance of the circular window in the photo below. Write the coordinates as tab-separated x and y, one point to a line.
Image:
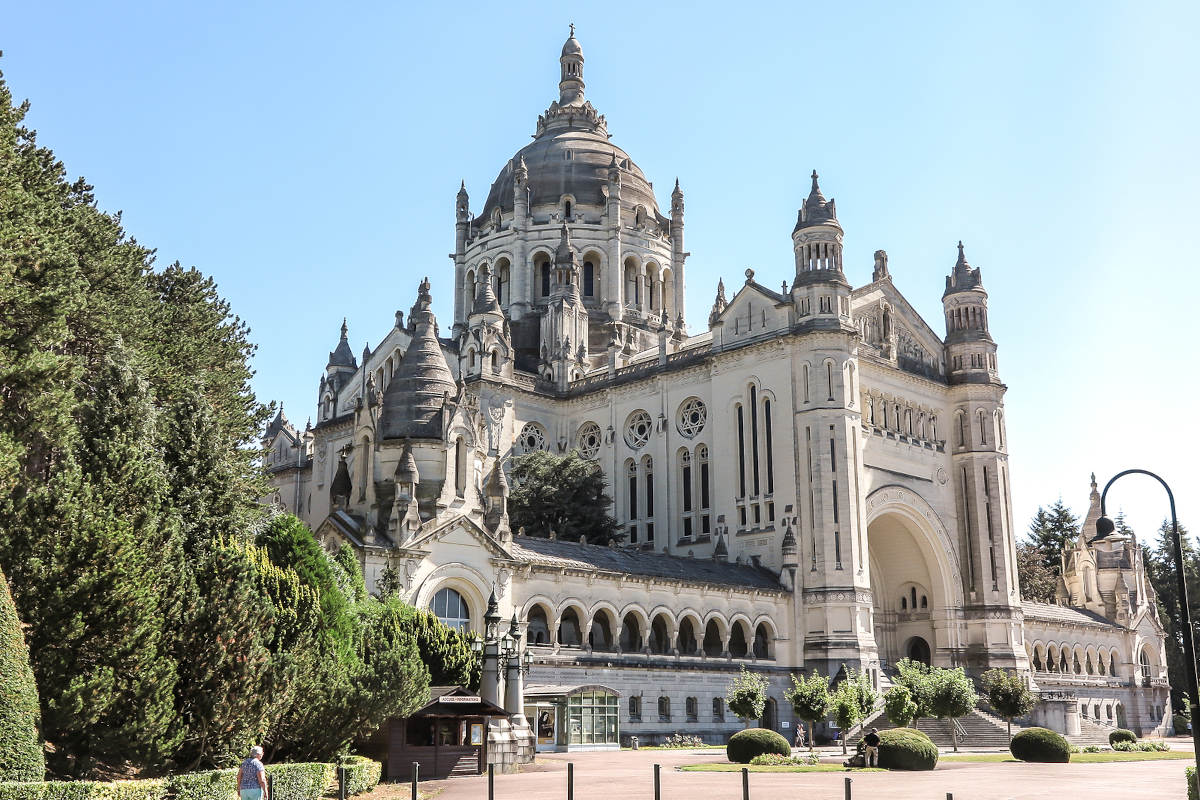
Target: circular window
638	429
533	437
589	440
692	416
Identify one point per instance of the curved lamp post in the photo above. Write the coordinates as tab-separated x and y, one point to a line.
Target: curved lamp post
1105	526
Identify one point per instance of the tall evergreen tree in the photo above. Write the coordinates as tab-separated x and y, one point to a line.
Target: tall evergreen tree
1051	532
1163	570
560	494
1038	582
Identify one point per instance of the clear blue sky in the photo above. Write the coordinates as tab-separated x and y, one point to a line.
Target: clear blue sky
307	156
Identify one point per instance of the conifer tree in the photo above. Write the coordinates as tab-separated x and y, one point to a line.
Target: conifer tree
1051	532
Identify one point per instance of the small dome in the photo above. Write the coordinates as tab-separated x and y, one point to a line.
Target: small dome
571	47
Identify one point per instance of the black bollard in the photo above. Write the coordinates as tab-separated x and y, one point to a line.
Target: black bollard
491	782
416	773
570	780
657	782
847	789
341	782
745	784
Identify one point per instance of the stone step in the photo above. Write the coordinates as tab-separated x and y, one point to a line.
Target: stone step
978	730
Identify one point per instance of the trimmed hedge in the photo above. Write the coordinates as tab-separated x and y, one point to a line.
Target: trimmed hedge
1121	735
213	784
1191	782
20	744
154	789
907	749
362	774
300	781
745	745
1041	745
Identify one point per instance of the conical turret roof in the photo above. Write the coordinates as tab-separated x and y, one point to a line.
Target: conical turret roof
412	403
342	355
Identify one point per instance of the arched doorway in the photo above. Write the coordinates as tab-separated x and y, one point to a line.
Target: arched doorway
770	717
914	579
917	649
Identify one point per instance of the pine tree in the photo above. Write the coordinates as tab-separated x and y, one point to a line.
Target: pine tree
1038	582
560	494
20	743
1051	532
1162	570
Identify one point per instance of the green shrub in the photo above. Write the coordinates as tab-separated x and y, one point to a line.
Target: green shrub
155	789
362	774
1155	746
776	760
1092	748
1180	722
306	781
1121	735
1040	744
214	784
745	745
1191	782
20	745
681	741
907	749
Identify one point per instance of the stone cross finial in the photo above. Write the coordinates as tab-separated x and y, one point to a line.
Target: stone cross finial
572	27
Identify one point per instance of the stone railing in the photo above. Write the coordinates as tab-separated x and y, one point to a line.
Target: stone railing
1069	679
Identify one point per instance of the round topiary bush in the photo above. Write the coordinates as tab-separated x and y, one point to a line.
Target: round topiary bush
1121	735
745	745
1040	744
906	748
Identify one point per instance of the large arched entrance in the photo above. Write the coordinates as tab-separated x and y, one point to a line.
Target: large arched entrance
913	578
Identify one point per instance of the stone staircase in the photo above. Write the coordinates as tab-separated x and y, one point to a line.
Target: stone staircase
1091	732
977	730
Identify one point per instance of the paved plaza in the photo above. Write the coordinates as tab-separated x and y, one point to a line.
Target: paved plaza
628	776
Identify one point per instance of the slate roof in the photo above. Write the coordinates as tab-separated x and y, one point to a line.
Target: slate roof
572	555
1074	616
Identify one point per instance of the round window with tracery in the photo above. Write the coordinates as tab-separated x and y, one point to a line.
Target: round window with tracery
589	440
692	416
532	437
638	429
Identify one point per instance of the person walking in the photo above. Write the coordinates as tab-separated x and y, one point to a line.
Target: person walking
871	740
252	776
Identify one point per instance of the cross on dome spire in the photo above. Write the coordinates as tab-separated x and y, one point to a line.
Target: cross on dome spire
570	84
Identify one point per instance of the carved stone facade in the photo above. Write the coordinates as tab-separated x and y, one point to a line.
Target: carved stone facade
818	479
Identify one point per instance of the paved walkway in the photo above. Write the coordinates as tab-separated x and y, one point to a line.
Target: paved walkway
628	775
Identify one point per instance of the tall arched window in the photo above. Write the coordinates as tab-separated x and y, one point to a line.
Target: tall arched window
589	279
1144	663
702	466
741	435
635	708
754	435
829	377
648	478
685	489
631	473
460	466
768	436
545	278
450	607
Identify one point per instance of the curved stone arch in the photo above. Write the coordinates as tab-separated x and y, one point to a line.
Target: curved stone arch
605	605
464	579
694	616
901	500
576	603
769	620
742	617
538	600
721	620
636	609
660	609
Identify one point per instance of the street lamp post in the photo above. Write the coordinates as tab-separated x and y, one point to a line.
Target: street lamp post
1105	526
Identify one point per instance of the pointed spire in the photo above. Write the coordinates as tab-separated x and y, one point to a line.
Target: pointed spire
815	194
677	190
345	328
816	210
570	85
962	258
342	356
485	298
964	277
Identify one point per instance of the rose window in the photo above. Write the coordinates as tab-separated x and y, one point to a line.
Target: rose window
589	440
532	437
638	429
692	416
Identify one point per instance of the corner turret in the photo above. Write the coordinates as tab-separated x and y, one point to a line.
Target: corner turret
970	350
820	290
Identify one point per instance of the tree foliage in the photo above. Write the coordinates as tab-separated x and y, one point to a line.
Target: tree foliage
852	701
899	706
1008	695
20	744
746	696
810	699
564	495
1162	568
1038	582
1051	532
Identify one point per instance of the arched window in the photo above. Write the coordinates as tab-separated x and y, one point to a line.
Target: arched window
631	634
702	465
569	634
692	708
904	604
829	377
741	435
768	435
545	275
685	489
982	428
924	602
1144	663
635	708
962	430
664	709
712	639
660	641
648	478
1112	663
460	463
737	641
589	279
762	641
600	636
450	607
718	705
685	640
567	204
537	631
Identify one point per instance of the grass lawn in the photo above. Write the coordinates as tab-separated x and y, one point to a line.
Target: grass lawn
1076	758
727	767
696	747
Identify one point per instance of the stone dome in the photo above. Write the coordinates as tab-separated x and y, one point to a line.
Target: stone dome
571	154
574	161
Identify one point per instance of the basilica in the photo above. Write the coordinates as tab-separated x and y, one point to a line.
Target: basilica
817	479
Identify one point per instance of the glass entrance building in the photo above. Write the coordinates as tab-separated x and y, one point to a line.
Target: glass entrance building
573	718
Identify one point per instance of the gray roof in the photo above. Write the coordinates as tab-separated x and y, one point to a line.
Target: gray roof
412	403
572	555
1048	612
